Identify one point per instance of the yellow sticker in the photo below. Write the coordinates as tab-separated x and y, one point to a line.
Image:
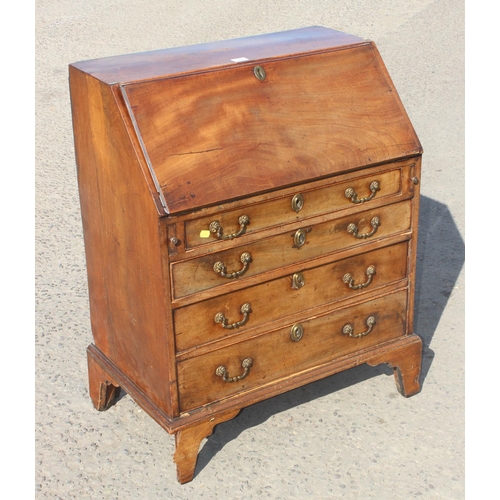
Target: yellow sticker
204	233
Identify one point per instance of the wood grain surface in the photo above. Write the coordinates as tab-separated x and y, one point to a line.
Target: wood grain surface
194	58
162	157
219	135
328	199
127	295
196	275
275	355
271	301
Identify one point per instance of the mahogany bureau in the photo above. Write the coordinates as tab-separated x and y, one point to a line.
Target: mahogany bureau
250	213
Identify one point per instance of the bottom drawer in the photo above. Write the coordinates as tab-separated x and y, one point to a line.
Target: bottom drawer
284	352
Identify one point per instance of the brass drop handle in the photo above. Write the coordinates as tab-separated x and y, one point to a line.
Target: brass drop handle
348	329
349	280
221	371
220	268
352	195
216	228
353	229
222	320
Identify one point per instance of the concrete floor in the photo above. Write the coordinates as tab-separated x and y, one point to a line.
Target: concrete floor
348	436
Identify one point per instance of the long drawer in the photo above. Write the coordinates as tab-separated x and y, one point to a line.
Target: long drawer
290	350
252	307
373	184
287	248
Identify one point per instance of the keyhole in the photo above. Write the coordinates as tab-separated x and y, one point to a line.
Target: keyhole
259	73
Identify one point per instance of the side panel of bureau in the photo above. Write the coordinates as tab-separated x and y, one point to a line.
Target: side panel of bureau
412	254
128	300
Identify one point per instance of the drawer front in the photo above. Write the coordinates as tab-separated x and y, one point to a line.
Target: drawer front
302	204
289	248
275	355
240	311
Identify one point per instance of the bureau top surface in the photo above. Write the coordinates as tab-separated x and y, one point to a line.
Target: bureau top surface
179	60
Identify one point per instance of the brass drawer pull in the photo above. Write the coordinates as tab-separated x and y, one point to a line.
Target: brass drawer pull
349	280
222	320
222	371
348	330
220	268
297	203
352	195
216	228
352	229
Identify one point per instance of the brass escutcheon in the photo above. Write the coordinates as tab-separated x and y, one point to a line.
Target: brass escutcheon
296	332
299	238
259	73
298	281
297	203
